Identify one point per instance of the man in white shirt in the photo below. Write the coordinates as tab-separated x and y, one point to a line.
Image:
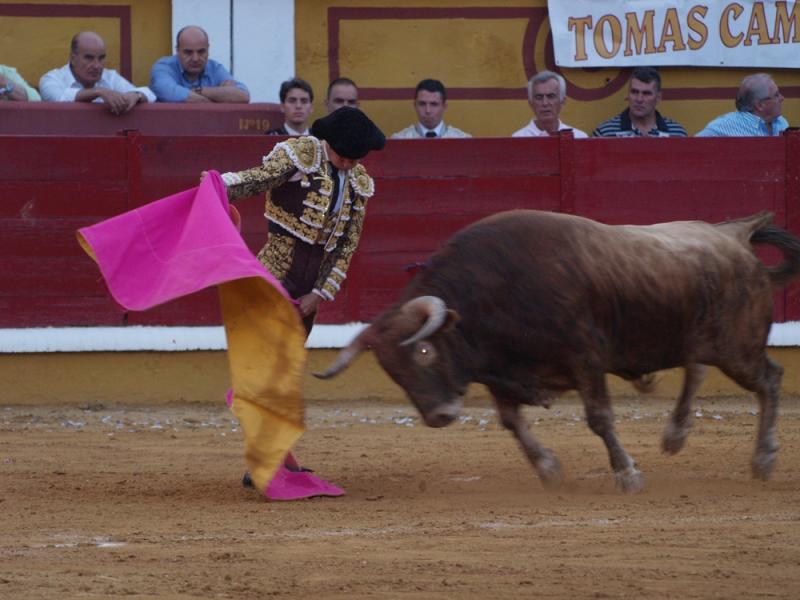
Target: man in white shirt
85	79
547	94
430	102
297	104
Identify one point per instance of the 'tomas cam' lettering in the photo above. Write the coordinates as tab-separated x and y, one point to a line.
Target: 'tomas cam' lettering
640	35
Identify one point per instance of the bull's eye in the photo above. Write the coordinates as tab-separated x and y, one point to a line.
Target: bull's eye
424	353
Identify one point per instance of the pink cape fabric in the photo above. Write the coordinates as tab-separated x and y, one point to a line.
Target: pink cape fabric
182	244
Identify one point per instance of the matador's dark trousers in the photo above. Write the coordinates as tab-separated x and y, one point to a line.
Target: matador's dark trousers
295	264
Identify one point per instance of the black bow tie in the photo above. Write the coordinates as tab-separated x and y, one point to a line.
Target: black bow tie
430	134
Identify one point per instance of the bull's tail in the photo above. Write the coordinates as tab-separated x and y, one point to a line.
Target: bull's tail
788	244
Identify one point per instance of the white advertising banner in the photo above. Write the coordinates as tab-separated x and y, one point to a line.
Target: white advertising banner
715	33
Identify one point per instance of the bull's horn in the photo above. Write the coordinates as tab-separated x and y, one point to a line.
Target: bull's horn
346	355
433	308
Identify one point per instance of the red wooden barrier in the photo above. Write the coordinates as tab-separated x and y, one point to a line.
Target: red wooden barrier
426	190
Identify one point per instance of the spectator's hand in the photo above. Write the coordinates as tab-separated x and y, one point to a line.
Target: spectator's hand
195	97
203	175
309	303
132	99
115	102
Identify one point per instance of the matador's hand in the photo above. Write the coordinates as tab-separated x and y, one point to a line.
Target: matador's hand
309	303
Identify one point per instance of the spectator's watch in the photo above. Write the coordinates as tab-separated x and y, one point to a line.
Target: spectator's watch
7	90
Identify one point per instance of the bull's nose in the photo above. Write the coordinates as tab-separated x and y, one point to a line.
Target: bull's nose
443	415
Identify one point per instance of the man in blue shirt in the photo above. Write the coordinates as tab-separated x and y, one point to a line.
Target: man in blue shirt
758	111
190	76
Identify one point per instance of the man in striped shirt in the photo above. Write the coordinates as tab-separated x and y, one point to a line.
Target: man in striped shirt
641	119
758	111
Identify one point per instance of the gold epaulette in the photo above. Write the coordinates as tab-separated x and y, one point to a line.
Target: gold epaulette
362	183
304	152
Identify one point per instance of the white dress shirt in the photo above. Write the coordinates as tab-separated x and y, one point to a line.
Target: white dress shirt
294	132
531	130
417	130
60	85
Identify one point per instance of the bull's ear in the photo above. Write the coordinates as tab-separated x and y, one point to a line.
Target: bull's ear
450	320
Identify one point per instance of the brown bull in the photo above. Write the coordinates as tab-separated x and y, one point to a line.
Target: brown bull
533	303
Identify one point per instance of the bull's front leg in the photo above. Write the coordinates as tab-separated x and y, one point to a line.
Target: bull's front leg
543	460
600	418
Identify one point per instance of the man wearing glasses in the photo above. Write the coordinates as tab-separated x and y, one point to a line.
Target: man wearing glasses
758	111
547	93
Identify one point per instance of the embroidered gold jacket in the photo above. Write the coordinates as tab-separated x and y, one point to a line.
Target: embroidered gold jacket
307	216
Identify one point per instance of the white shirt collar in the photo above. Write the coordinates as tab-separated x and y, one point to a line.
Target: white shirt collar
291	131
437	130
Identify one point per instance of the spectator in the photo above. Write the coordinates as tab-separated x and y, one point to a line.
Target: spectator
85	79
13	87
191	76
297	103
758	111
342	92
547	93
430	102
641	117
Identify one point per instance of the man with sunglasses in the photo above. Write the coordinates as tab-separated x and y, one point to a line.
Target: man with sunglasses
758	111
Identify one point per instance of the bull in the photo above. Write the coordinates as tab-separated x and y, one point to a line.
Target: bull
533	303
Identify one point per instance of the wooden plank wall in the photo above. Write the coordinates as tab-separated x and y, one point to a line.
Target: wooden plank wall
426	190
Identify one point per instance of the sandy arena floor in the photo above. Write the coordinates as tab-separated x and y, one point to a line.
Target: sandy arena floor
145	502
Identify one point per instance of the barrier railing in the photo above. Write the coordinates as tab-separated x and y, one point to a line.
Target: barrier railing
426	190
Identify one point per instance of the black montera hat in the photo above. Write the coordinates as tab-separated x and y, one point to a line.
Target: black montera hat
349	132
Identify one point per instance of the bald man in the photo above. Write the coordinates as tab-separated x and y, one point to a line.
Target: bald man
191	76
85	78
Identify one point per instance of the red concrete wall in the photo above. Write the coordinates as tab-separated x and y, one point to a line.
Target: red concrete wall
426	190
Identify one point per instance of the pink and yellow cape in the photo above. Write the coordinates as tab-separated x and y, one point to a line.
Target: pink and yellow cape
184	243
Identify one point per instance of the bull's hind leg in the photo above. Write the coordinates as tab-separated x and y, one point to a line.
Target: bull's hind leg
678	427
766	383
543	460
766	444
601	420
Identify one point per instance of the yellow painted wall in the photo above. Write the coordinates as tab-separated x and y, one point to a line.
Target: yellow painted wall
37	44
481	53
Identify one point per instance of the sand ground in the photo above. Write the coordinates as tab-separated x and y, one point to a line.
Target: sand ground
144	501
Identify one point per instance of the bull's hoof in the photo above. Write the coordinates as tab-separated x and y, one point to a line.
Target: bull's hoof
630	480
549	470
764	463
674	438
